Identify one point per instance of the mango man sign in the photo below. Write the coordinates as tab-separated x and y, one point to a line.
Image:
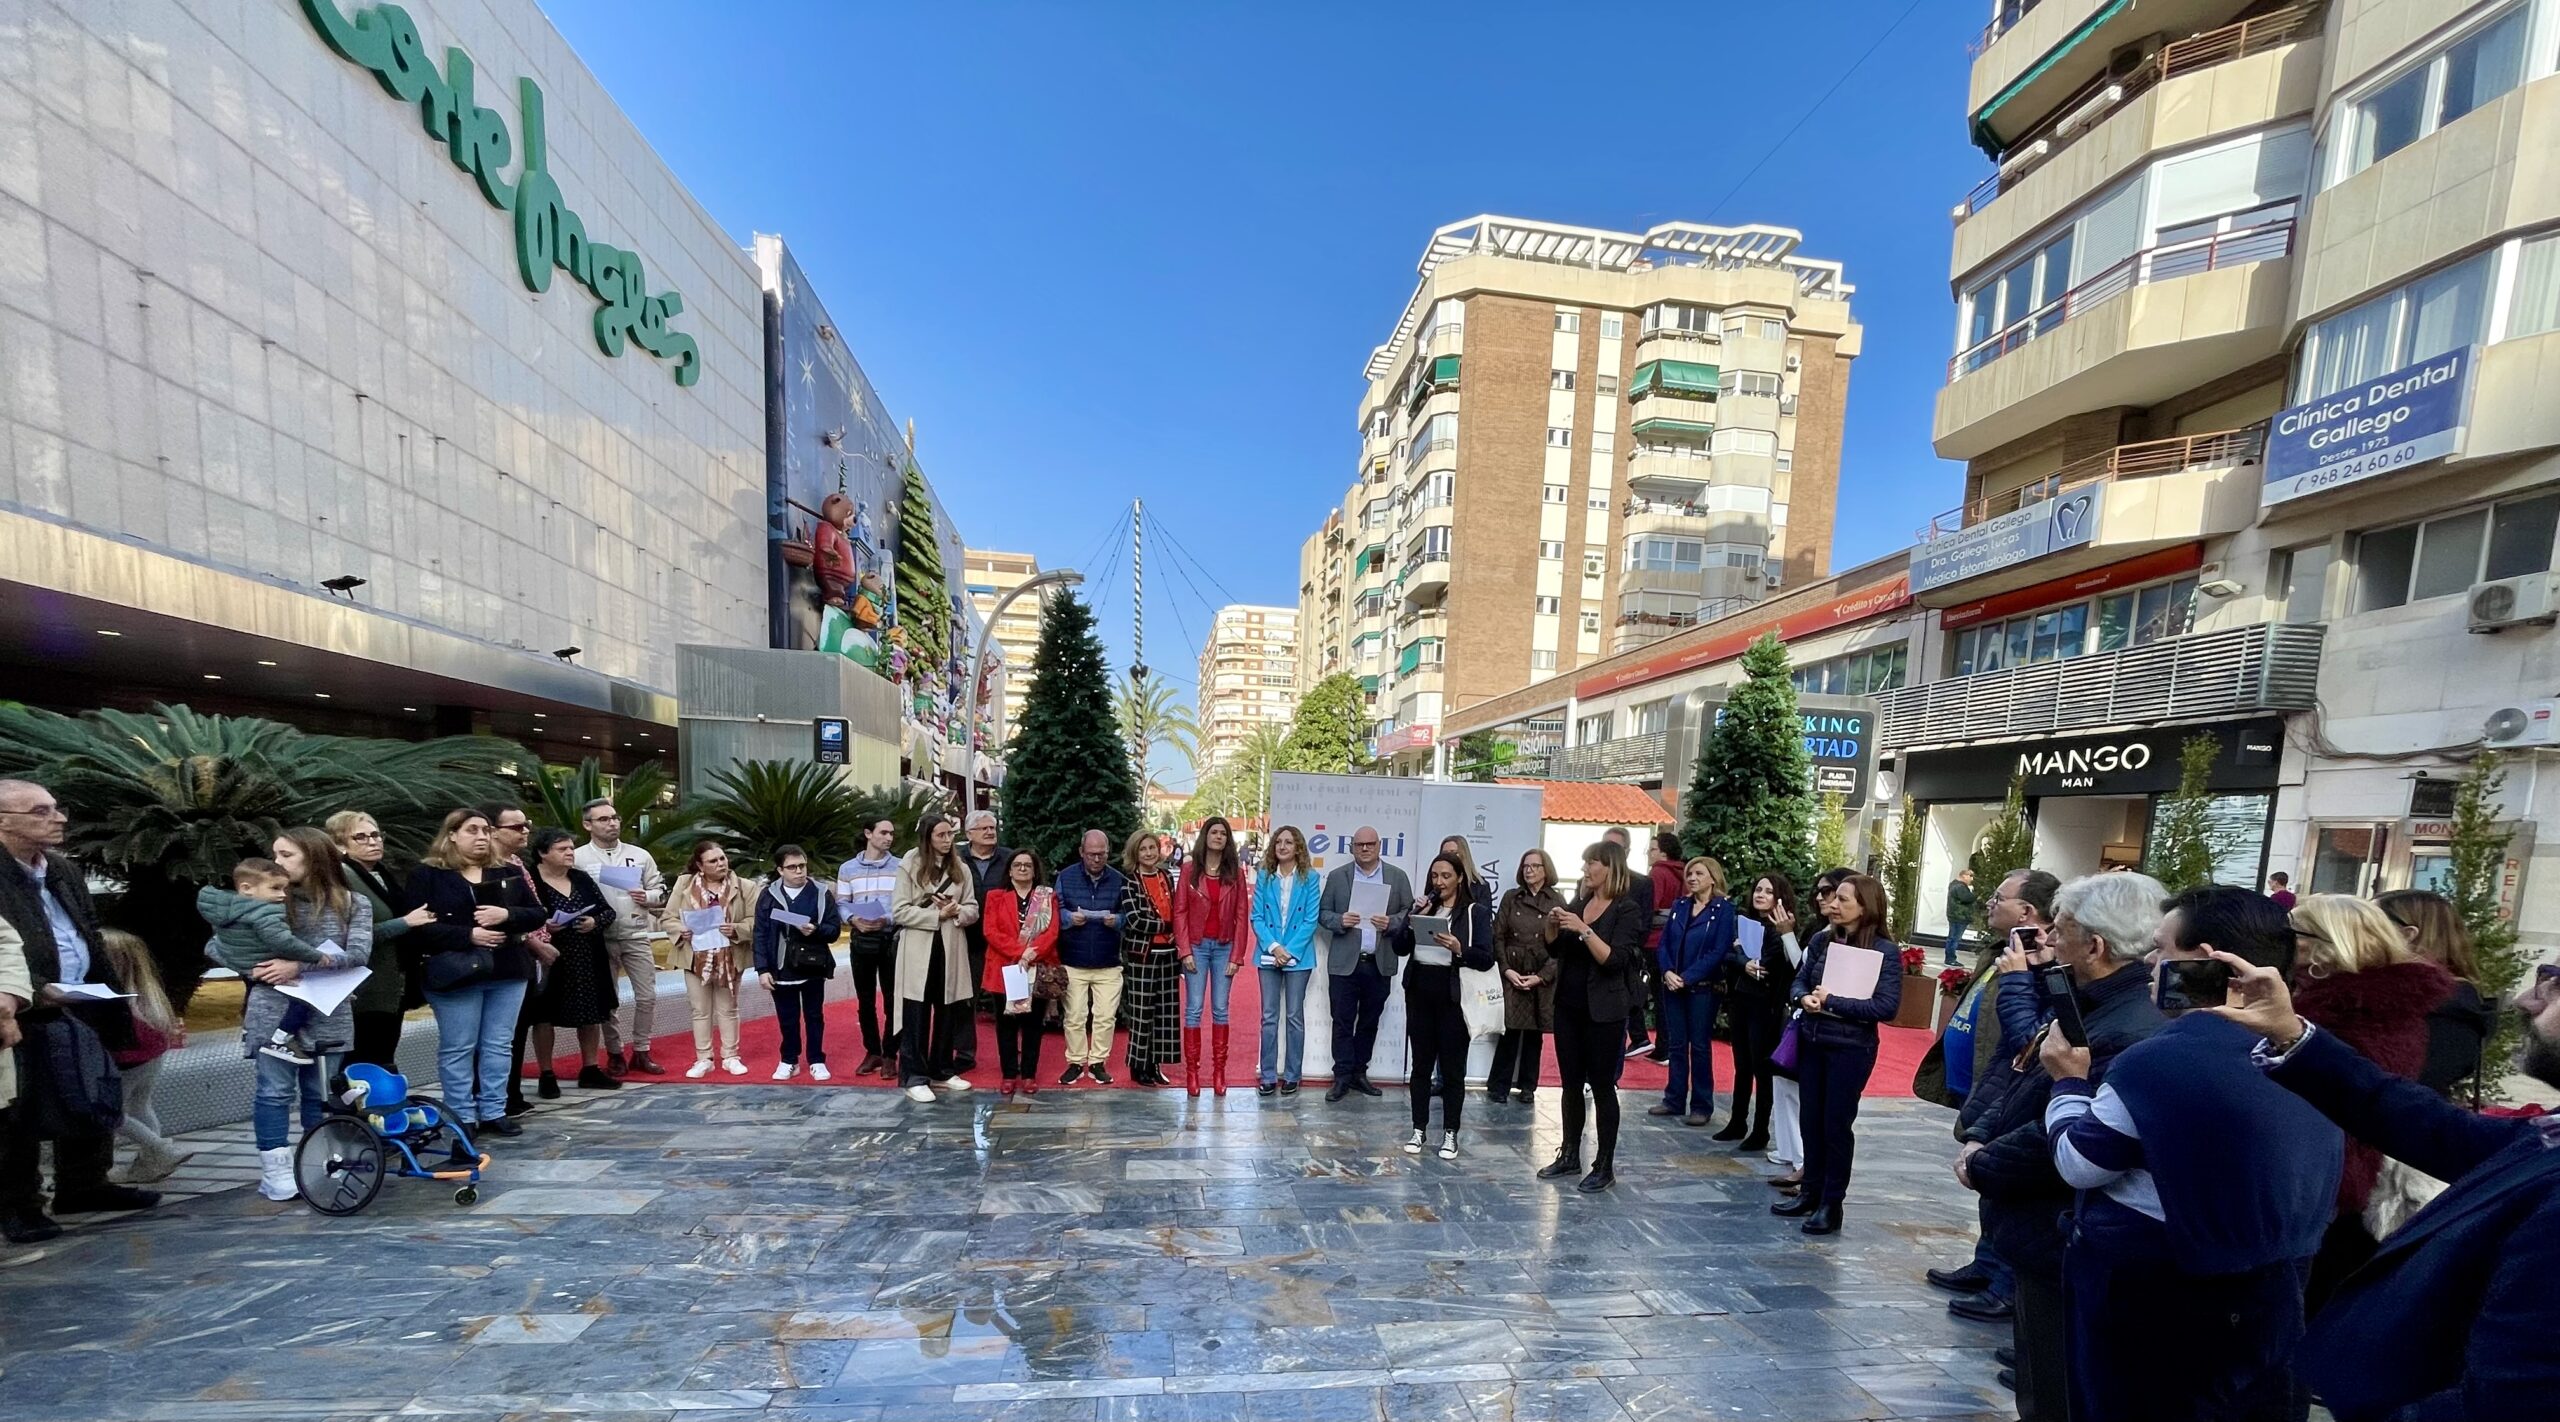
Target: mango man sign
2377	426
549	235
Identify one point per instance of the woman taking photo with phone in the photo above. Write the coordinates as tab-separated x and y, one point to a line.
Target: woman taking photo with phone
1451	927
1521	933
1285	902
1599	948
1836	1047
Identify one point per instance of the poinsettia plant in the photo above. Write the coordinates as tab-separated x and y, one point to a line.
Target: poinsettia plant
1914	959
1952	981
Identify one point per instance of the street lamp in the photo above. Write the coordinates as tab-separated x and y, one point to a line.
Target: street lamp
1054	578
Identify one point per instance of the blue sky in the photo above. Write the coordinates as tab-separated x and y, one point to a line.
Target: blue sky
1105	251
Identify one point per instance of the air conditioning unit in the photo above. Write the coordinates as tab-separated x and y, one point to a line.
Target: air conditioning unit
2512	602
2526	725
1795	362
2124	62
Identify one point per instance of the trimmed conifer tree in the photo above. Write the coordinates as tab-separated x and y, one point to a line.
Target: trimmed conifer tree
1325	736
924	599
1068	769
1750	800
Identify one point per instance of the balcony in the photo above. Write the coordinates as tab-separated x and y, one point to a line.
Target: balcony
1633	759
2238	671
2104	128
1446	339
2148	496
1717	520
1425	576
1671	410
2035	57
1674	343
1669	472
2160	322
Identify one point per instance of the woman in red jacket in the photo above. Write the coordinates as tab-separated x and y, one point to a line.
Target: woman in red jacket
2355	975
1021	919
1213	930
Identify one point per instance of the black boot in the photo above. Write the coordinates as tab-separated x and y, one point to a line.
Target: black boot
1733	1129
1566	1163
1800	1205
1824	1221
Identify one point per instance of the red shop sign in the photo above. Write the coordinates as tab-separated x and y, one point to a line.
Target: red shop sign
1849	607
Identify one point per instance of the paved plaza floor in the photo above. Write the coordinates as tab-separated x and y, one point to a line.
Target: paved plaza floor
802	1256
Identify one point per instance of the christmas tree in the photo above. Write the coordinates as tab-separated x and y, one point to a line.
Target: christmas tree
1068	770
1750	801
924	602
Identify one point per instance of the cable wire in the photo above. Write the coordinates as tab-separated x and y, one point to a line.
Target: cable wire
1184	549
1836	85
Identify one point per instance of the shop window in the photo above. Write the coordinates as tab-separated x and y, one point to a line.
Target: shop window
1651	718
1591	730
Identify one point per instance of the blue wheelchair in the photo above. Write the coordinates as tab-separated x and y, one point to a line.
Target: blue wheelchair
378	1129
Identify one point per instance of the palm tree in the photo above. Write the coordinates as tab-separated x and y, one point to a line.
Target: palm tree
652	820
1265	750
169	800
1151	717
763	804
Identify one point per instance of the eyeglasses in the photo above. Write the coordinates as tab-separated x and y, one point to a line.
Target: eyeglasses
366	834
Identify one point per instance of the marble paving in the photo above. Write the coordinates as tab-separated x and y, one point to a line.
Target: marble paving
796	1255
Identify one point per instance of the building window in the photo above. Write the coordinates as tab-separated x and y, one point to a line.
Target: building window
2121	620
1569	322
1746	382
1608	385
2536	307
1772	330
1674	316
2301	580
1857	673
1649	719
1559	437
1591	730
1612	326
2032	286
1734	327
2465	75
1549	607
1666	555
1599	500
1559	380
2444	556
1550	548
2442	311
1786	460
1739	441
1557	493
1542	661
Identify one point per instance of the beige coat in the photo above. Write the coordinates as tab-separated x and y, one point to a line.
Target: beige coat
739	900
15	982
920	922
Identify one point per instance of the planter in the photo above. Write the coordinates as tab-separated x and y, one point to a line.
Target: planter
1919	1001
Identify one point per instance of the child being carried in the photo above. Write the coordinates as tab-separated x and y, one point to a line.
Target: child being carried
249	928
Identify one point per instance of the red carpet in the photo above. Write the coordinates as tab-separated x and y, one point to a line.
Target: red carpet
761	1049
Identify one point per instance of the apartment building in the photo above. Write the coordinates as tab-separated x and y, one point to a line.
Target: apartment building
1324	566
1576	441
2258	316
1248	677
1017	633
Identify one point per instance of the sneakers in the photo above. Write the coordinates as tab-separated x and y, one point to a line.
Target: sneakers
285	1049
920	1092
818	1072
784	1071
1288	1088
733	1066
957	1083
1267	1088
1073	1074
1100	1076
698	1070
1449	1145
1413	1141
275	1175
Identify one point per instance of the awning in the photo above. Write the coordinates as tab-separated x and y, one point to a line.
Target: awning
1983	136
1697	428
1679	377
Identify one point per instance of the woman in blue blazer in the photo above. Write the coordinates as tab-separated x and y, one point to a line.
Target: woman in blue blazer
1697	939
1285	901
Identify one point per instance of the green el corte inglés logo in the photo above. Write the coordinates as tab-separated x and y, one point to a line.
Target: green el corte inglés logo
549	236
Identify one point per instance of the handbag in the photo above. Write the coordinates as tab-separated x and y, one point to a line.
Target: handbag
69	1086
1480	1000
457	968
1782	1058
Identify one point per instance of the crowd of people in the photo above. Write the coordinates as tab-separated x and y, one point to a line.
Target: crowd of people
2228	1160
2225	1147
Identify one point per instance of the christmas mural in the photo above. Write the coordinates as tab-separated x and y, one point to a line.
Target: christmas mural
866	563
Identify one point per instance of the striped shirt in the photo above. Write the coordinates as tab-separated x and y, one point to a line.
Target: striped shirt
2097	1147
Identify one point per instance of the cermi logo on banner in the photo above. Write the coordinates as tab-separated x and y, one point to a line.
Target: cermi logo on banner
1326	845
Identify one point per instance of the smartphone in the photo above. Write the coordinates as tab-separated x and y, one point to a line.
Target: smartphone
2053	984
2183	984
2027	939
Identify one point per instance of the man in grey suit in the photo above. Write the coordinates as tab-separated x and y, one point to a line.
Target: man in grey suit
1356	980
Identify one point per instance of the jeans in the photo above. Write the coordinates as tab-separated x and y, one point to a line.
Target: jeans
799	1008
1832	1075
1208	981
1955	939
279	1083
1284	1024
1688	1035
1515	1064
476	1026
1358	997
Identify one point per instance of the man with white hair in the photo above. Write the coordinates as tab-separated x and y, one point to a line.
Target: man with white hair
986	860
2101	931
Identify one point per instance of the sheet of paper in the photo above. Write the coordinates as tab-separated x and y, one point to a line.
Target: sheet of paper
1369	900
710	942
874	909
788	919
706	920
1017	982
1749	935
326	988
626	877
95	992
1851	972
562	918
329	948
1431	955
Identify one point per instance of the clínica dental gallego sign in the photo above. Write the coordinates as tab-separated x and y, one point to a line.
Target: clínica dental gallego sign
2410	416
550	236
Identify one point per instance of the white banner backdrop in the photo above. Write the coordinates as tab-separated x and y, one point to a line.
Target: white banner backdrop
1411	818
